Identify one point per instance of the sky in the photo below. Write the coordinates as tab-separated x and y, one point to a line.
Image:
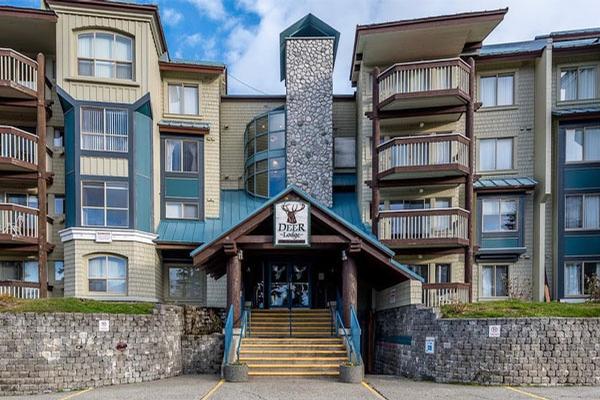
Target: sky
244	34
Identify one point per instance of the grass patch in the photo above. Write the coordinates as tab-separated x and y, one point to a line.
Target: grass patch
521	309
72	305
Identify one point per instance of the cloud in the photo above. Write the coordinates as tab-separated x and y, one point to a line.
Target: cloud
198	46
171	16
214	9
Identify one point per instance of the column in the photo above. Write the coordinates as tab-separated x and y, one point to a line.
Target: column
349	286
376	138
234	286
41	175
469	200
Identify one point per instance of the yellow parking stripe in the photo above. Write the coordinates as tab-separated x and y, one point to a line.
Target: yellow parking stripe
524	393
213	390
76	394
375	392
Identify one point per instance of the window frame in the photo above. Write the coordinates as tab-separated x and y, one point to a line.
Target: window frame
437	273
185	297
494	284
114	62
59	197
104	134
583	130
55	271
346	139
106	277
496	76
182	141
578	68
583	196
496	170
104	207
181	205
183	85
500	200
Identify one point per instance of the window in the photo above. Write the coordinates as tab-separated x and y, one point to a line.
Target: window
59	204
442	273
495	154
181	155
499	215
185	283
177	210
582	144
105	55
58	139
183	99
107	274
22	199
344	152
104	129
421	269
578	83
27	271
59	271
494	281
577	276
105	204
582	212
497	90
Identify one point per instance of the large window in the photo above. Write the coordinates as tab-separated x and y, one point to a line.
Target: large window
104	129
582	211
578	275
497	90
183	99
105	204
344	152
185	283
27	271
181	155
181	210
495	154
582	144
499	215
105	55
442	273
578	83
494	281
22	199
107	274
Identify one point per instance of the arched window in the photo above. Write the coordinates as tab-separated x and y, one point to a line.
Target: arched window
107	274
105	55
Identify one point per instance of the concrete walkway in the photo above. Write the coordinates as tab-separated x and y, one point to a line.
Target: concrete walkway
209	387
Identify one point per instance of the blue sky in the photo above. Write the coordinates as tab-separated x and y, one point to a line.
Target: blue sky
244	34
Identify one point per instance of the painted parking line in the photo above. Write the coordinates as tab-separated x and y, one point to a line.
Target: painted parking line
213	390
373	390
76	394
524	393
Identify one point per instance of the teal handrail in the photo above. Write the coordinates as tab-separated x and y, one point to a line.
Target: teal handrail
228	335
355	331
243	331
349	338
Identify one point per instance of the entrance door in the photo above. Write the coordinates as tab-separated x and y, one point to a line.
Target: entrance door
289	285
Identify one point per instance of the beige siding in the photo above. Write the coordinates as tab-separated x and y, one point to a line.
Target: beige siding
402	294
104	166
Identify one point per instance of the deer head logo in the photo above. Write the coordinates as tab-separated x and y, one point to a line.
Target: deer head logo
291	210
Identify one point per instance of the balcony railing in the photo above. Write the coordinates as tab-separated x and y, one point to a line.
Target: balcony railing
427	78
17	69
439	294
18	222
424	153
436	226
18	146
20	289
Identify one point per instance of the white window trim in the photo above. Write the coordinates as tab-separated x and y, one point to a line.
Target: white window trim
104	134
435	272
582	161
182	141
495	171
559	71
104	208
182	85
496	75
181	205
106	278
508	268
583	196
582	295
114	62
500	200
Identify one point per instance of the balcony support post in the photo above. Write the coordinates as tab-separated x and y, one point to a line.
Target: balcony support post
376	138
349	285
41	175
469	131
234	282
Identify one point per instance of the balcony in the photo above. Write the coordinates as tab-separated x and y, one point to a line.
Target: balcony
439	294
430	156
18	75
430	84
18	224
432	227
18	150
20	289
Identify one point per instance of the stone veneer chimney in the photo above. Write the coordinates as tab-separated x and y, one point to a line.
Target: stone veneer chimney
309	60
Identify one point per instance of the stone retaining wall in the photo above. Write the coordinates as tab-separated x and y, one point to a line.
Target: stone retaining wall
529	351
202	354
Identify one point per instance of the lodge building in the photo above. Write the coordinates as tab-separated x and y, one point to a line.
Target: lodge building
456	171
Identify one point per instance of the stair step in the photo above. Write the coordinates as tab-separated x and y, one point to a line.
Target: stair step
269	347
293	373
294	352
298	366
292	340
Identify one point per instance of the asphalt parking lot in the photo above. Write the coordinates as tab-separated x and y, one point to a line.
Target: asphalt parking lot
206	387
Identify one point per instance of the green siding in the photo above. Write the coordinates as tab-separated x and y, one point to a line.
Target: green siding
582	178
142	171
581	245
70	178
182	187
496	243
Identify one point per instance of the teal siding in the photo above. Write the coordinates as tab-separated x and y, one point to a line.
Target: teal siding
497	243
70	175
582	178
142	171
182	188
581	245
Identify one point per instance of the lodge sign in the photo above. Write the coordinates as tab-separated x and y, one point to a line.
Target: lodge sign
291	225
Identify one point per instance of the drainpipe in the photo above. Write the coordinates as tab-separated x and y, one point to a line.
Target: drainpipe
374	154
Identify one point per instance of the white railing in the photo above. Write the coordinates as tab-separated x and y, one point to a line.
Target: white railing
424	77
15	67
18	145
18	221
424	150
20	290
426	224
439	294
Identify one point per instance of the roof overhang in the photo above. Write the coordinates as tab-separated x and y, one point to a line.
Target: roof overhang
430	38
28	30
504	185
184	127
172	66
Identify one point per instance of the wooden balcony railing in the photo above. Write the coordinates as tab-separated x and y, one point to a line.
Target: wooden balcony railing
18	222
18	145
17	69
20	289
424	153
439	294
424	77
432	226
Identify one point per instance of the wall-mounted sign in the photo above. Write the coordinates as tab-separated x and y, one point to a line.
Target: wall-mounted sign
104	237
104	325
429	345
494	331
292	223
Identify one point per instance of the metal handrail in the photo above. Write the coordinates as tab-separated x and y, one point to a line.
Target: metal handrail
350	349
243	331
355	331
228	335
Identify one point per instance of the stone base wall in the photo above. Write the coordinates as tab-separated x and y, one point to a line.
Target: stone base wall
202	354
529	351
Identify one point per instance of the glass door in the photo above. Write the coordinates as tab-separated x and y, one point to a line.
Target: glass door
280	287
300	285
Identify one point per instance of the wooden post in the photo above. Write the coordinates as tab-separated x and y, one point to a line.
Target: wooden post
469	131
41	175
234	285
376	137
349	286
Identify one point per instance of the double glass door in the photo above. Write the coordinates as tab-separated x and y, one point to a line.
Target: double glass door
289	285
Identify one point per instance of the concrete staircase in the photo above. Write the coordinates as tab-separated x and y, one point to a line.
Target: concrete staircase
310	350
